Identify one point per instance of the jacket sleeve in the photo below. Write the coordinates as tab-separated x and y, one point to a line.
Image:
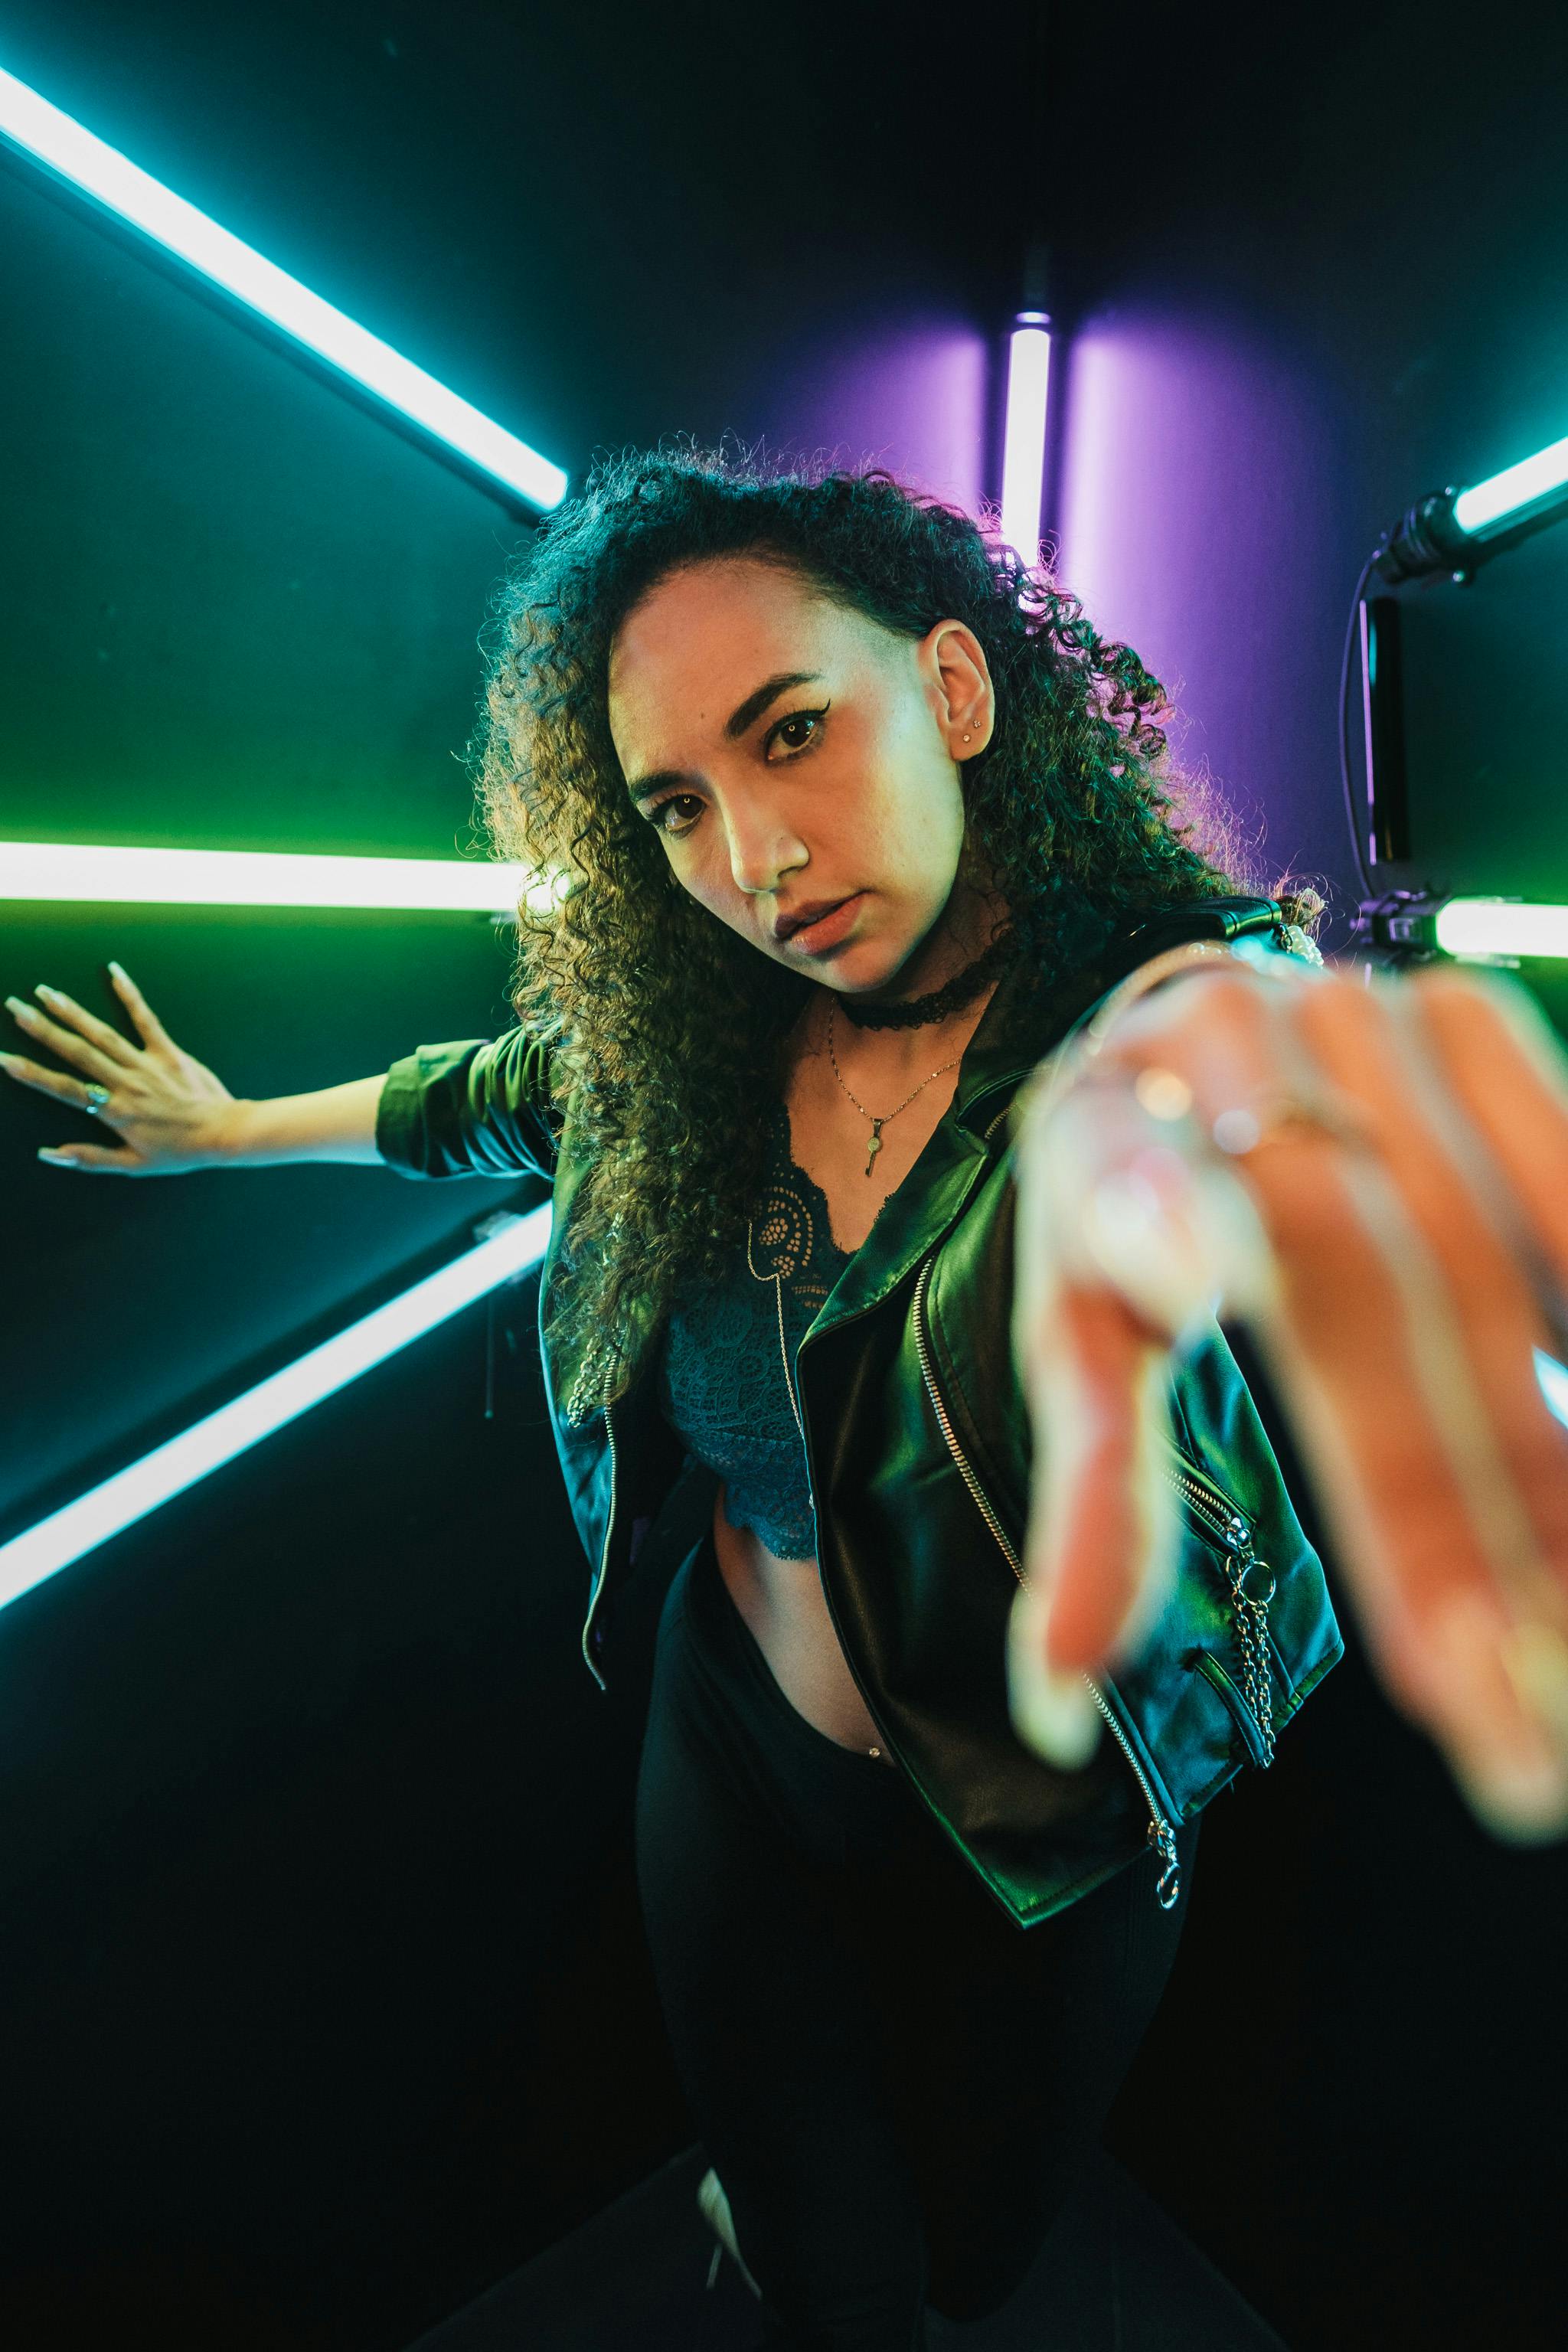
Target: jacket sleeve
479	1108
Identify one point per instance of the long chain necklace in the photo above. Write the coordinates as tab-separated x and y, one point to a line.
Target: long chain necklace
875	1145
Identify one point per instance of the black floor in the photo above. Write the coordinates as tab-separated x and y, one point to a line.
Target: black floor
1114	2275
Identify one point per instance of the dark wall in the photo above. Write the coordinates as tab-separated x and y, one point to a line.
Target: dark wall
326	1995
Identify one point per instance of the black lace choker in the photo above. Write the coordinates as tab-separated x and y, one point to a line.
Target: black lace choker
918	1011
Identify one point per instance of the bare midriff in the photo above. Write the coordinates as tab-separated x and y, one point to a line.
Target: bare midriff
782	1602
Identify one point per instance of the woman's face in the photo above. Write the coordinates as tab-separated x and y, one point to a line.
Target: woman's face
790	753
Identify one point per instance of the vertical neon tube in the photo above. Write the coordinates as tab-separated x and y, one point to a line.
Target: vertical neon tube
1023	439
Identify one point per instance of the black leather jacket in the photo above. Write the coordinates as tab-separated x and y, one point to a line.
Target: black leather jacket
918	1447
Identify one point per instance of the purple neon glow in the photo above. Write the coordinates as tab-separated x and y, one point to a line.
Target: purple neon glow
1024	443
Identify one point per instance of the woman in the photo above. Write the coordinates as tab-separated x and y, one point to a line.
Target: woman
909	1079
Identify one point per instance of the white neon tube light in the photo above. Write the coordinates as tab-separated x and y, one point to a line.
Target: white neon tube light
79	871
1501	926
1505	498
1024	443
101	171
80	1526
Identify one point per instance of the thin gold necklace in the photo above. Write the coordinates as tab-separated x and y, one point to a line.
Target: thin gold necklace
875	1145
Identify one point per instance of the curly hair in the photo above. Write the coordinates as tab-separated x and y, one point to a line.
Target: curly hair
1074	805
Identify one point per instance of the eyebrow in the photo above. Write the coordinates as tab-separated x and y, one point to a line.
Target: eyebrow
744	715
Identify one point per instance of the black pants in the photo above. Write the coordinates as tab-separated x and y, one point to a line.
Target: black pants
895	2082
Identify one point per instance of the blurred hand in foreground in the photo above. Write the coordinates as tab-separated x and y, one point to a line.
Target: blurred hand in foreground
1374	1178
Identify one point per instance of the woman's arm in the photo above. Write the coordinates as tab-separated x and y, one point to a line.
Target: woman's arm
337	1123
481	1106
477	1107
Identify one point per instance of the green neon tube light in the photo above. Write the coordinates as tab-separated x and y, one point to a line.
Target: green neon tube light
515	1244
43	131
1504	499
1501	926
1553	1379
77	872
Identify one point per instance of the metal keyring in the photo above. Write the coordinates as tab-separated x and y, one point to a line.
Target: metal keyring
97	1096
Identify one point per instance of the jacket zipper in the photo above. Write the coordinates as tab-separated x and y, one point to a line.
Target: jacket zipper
603	1556
1160	1835
1208	1666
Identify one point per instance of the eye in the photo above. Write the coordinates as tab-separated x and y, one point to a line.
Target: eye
655	816
797	719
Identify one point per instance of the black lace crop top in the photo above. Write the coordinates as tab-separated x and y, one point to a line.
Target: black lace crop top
721	1383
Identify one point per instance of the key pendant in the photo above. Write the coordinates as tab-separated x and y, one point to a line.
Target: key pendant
875	1145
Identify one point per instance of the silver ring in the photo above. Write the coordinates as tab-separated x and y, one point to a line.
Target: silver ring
97	1096
1238	1132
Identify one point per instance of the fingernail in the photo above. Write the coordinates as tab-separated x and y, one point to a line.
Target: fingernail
1052	1712
1522	1797
1507	1690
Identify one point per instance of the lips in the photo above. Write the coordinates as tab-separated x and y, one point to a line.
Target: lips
798	916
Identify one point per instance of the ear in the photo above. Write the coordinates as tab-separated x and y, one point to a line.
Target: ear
963	698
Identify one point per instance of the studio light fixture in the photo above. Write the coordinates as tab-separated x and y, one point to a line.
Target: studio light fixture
61	144
1024	437
1500	927
1452	529
1417	925
80	872
513	1245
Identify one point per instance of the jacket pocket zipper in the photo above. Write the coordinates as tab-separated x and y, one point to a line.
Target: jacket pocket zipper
1160	1834
1206	1664
1249	1612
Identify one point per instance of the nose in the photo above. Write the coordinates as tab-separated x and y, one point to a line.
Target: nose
762	849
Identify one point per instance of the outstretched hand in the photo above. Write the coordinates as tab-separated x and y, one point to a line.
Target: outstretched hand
168	1109
1374	1177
